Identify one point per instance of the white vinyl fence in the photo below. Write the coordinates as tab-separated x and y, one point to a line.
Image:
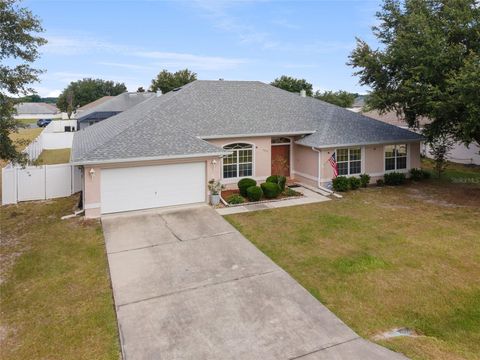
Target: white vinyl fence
39	182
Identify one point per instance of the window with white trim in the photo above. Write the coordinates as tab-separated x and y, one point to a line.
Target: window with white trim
349	161
240	162
395	157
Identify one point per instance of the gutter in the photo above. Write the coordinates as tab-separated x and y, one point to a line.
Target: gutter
386	142
165	157
212	137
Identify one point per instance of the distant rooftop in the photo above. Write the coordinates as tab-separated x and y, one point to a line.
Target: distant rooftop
36	108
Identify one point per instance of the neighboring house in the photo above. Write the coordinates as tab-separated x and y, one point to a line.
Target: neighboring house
90	105
358	104
163	151
39	110
109	107
460	152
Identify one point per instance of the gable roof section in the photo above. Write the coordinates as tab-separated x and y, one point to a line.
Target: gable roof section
176	123
115	104
94	103
136	135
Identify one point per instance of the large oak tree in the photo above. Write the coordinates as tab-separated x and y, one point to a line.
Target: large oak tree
292	84
427	65
19	45
167	81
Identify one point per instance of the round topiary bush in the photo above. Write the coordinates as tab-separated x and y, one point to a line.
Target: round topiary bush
254	193
244	184
341	184
270	190
394	178
280	180
354	182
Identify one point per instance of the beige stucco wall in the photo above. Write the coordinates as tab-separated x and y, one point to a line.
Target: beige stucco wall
92	188
372	161
305	165
262	155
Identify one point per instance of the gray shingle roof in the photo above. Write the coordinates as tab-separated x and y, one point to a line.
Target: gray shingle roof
36	108
174	123
115	104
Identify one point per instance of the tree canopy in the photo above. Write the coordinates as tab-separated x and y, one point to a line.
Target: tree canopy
292	84
82	92
428	65
339	98
19	41
167	81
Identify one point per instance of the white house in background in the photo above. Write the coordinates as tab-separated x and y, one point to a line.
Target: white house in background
31	110
460	153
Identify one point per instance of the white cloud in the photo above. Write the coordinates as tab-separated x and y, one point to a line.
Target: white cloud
126	66
47	92
197	62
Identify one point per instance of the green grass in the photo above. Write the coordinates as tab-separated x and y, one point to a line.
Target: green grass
457	173
28	121
51	157
55	296
388	257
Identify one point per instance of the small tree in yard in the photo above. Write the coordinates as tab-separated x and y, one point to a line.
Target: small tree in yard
18	41
167	81
439	149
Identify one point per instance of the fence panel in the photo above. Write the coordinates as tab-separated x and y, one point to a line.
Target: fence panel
31	183
9	185
77	179
58	181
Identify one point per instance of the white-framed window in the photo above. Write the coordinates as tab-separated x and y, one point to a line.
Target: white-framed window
240	162
349	161
395	157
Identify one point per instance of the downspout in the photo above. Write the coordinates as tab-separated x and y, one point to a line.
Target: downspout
319	158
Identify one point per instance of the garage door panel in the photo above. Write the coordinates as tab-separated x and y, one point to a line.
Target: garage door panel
147	187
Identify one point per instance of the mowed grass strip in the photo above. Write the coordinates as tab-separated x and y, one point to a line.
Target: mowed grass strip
382	258
52	157
55	296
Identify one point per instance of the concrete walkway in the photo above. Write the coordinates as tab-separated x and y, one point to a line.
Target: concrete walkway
187	285
309	197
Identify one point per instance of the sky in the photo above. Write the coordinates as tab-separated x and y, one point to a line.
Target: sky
132	41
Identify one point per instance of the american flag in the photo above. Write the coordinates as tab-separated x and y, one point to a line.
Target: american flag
333	162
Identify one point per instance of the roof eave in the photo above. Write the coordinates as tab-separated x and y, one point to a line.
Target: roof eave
151	158
362	143
285	133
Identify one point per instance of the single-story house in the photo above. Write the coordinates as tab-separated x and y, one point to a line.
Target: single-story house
36	110
91	105
109	106
163	151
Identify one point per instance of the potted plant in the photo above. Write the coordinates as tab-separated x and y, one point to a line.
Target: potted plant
215	188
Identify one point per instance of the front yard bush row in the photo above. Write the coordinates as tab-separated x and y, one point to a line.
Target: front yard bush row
343	183
279	180
394	178
272	188
235	199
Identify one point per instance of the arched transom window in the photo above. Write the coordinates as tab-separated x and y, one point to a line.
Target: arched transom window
240	162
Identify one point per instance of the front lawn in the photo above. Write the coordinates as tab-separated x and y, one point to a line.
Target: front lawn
51	157
385	257
55	295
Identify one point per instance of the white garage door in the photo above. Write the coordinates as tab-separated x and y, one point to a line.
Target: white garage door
146	187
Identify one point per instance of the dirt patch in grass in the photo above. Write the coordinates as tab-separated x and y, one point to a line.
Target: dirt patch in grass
387	257
55	299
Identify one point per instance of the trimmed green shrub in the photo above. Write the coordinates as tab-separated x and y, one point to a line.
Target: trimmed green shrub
270	190
419	174
364	180
341	183
394	178
254	193
235	199
354	182
279	180
380	182
244	184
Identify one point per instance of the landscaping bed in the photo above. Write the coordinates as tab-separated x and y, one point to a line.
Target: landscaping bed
248	191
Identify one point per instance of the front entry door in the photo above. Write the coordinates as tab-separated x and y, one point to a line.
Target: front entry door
281	160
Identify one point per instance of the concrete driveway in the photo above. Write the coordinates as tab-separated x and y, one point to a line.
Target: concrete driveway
187	285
